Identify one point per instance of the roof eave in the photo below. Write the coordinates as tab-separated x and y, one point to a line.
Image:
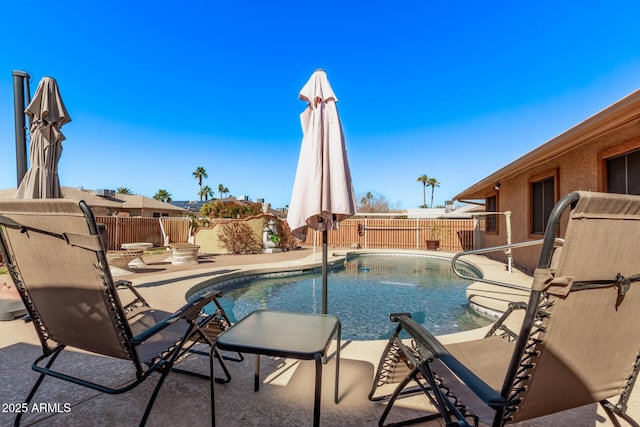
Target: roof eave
613	117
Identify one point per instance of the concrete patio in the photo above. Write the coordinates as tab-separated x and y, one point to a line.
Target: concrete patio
286	394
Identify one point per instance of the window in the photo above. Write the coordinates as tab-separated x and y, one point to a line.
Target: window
623	173
542	201
491	205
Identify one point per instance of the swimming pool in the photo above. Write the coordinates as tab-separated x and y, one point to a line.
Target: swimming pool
365	292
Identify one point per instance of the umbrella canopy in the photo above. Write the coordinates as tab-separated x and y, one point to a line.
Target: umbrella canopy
47	114
322	191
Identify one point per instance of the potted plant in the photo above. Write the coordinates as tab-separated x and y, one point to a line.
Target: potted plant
433	242
272	240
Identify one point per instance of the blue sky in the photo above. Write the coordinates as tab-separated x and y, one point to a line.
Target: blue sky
454	90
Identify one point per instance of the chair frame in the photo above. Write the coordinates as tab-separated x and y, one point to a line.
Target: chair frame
423	350
191	313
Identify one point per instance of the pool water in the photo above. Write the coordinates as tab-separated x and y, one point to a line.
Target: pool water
365	292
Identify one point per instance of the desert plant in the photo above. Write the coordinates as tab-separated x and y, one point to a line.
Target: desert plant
287	241
435	232
238	238
219	209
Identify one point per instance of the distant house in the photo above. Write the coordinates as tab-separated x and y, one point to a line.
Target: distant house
108	203
136	205
192	206
600	154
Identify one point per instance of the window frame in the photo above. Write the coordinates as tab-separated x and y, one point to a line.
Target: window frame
496	230
536	179
609	154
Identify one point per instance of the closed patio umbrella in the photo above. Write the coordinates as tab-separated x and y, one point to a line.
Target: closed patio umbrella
47	114
322	192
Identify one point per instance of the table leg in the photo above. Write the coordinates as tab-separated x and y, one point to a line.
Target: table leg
335	397
318	391
256	376
211	381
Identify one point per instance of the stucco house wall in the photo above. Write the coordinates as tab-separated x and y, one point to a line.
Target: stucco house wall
577	161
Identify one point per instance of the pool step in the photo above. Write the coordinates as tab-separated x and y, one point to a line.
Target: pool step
493	300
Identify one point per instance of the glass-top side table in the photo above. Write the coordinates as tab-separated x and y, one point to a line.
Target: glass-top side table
285	334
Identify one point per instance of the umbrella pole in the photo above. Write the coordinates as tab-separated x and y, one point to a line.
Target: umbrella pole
324	271
19	78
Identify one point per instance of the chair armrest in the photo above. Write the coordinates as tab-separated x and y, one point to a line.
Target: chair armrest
138	299
499	324
431	343
219	312
190	311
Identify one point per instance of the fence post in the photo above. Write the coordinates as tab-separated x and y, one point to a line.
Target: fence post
165	237
476	232
117	233
365	232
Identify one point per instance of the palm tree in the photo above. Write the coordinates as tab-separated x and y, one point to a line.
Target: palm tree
200	173
163	196
433	183
221	189
225	191
205	192
124	190
424	179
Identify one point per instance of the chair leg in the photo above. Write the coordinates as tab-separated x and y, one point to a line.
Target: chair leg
240	357
213	351
394	396
613	414
216	353
28	399
211	388
388	358
154	395
37	385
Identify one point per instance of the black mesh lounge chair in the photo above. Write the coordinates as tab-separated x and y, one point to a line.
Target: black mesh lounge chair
579	342
57	261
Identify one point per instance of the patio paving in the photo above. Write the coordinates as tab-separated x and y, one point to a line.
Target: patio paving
286	394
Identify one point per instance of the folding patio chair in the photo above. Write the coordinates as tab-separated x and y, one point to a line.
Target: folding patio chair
57	261
579	342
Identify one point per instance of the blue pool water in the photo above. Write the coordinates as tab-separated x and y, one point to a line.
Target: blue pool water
364	293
